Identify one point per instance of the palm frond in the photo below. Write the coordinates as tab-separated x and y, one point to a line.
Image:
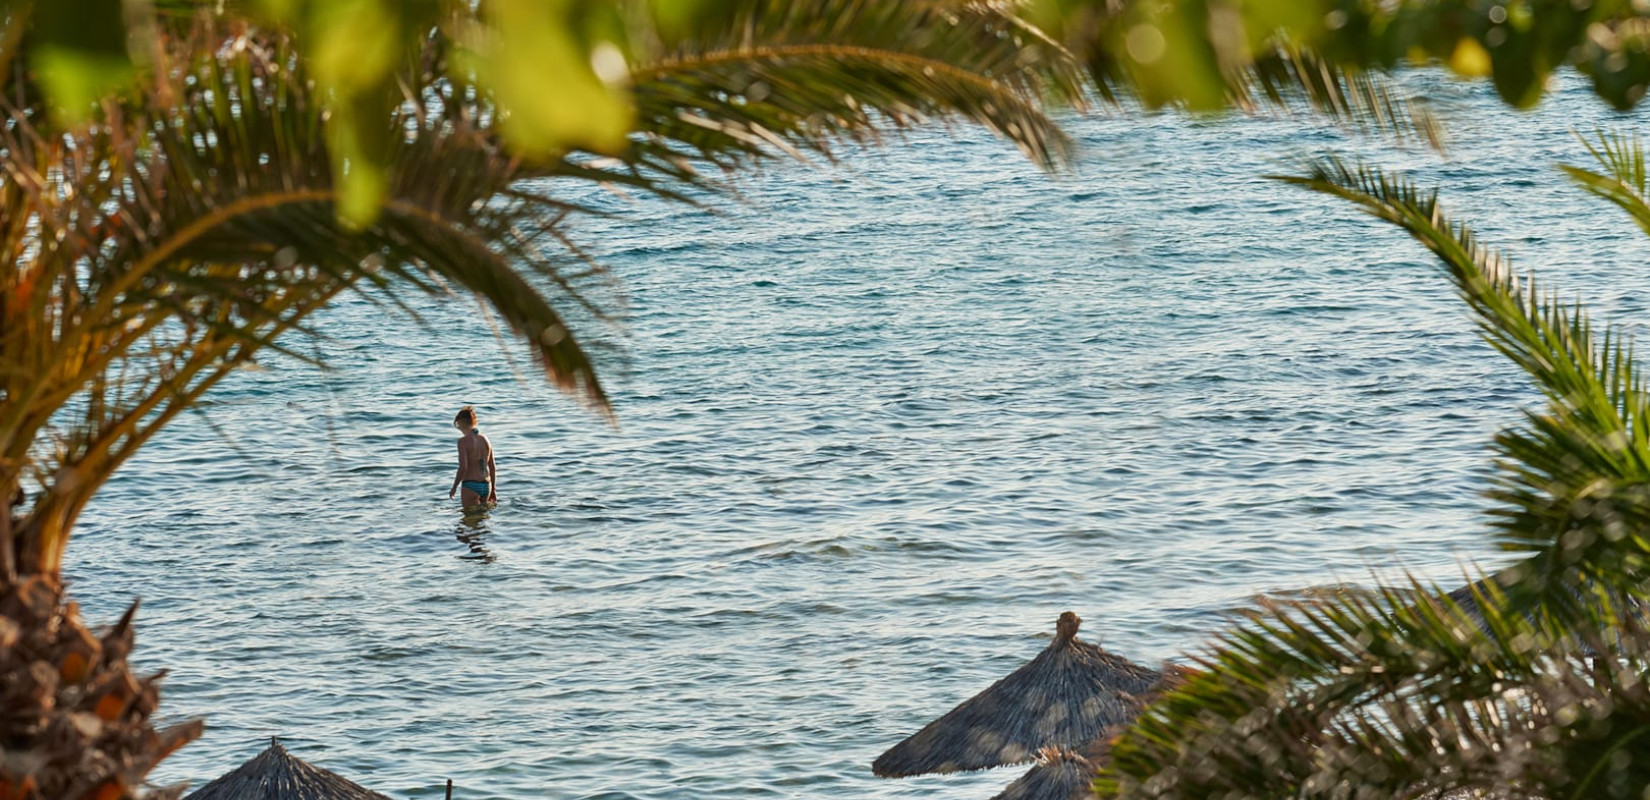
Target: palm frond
1623	181
1541	687
1285	76
755	79
451	216
1573	482
1380	694
1571	729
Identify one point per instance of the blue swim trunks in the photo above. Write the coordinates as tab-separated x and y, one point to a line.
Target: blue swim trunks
478	487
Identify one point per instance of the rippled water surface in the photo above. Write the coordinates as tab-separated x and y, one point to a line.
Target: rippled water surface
879	425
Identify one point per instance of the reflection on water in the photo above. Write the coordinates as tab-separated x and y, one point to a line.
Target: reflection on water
473	530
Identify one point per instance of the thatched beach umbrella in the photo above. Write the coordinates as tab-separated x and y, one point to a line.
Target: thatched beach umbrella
1065	697
1066	774
1060	774
1466	598
277	775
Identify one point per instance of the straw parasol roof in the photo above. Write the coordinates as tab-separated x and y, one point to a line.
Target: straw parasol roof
277	775
1065	697
1068	773
1060	774
1464	597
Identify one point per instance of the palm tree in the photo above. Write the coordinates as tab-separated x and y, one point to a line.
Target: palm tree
194	225
1531	684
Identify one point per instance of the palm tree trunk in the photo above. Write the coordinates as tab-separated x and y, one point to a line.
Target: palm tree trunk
74	720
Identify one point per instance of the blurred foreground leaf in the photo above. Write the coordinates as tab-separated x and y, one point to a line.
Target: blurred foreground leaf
80	52
540	58
1191	53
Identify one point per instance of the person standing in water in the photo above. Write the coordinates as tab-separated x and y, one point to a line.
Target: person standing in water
477	474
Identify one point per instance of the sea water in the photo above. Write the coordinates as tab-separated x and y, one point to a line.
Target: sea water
879	423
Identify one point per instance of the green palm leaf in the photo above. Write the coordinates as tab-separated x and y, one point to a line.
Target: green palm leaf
1574	480
1391	693
1285	76
1623	181
1386	695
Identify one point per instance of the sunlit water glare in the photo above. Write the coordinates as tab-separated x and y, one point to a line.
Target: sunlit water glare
879	425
